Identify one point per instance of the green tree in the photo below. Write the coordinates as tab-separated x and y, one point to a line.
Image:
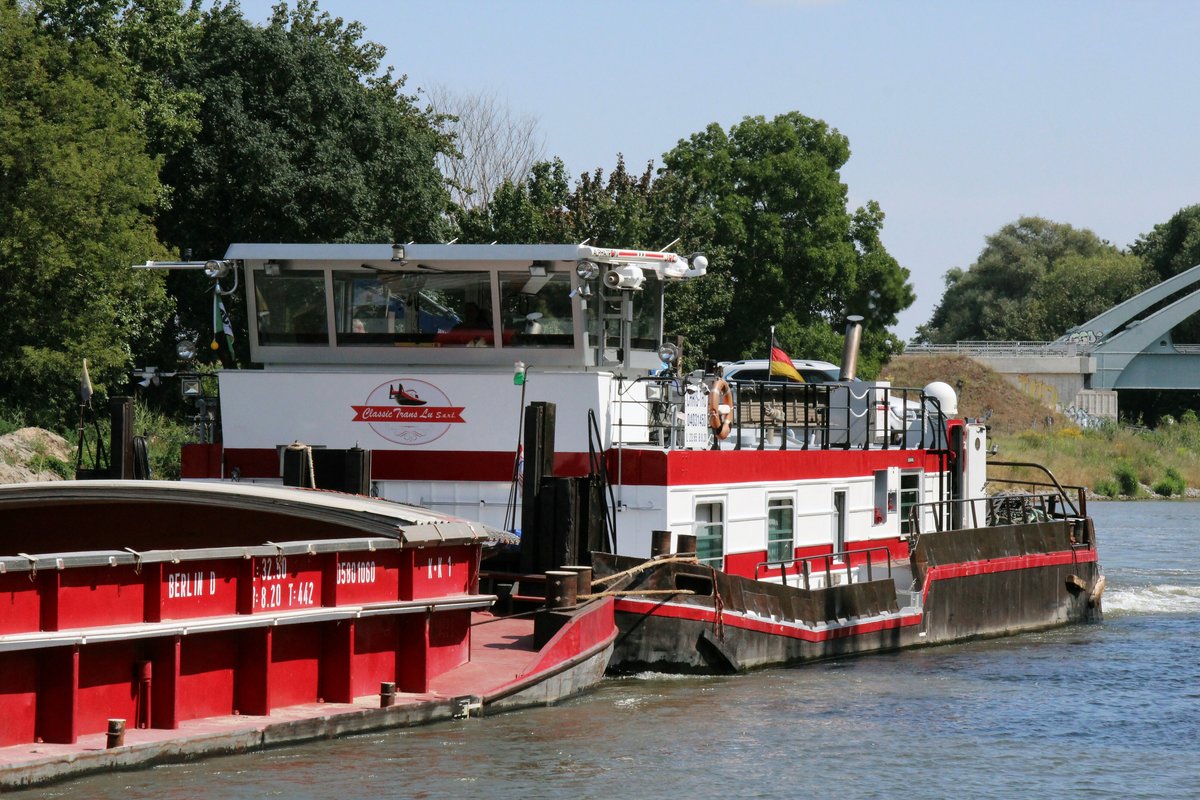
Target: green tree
1013	291
1173	246
304	138
765	204
1093	284
533	210
76	184
768	199
151	38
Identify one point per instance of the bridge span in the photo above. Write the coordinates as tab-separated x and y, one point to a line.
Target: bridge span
1129	346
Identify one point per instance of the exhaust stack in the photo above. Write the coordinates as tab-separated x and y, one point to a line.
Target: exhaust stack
850	349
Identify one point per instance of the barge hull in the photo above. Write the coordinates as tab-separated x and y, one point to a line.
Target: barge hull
966	584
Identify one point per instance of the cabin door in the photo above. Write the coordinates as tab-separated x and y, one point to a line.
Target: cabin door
839	520
910	496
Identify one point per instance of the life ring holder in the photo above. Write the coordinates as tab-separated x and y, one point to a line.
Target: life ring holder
719	394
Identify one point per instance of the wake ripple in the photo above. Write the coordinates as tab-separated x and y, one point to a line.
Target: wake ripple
1164	598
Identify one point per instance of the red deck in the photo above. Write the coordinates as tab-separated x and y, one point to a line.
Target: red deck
502	655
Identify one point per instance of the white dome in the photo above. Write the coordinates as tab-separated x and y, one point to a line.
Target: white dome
946	397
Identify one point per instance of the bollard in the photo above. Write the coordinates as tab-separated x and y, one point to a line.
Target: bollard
660	543
686	545
116	733
583	584
143	674
560	589
387	694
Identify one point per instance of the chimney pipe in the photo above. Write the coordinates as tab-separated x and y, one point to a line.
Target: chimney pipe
850	349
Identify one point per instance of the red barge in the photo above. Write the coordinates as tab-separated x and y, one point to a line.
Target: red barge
148	620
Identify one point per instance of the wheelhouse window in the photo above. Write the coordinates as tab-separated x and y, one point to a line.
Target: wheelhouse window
291	308
648	316
536	309
448	309
781	516
710	533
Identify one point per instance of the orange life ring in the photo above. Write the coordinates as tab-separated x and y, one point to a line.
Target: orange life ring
720	395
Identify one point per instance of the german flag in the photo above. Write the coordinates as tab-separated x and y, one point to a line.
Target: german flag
781	365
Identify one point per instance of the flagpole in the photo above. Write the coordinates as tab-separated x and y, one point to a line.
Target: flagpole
770	353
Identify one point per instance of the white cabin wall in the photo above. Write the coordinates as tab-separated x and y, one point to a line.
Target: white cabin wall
267	408
746	512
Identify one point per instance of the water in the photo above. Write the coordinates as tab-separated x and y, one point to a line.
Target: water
1108	710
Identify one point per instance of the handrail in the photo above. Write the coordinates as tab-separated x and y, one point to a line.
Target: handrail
1080	510
805	565
819	416
1045	501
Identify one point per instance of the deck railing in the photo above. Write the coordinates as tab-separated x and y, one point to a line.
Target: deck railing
804	565
776	415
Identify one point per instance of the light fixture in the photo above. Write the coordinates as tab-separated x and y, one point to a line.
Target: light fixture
699	262
147	376
398	253
625	277
189	386
537	270
667	353
185	349
216	269
271	269
587	270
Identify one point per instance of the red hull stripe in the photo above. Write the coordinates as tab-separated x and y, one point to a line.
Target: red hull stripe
734	620
635	467
969	568
720	467
409	465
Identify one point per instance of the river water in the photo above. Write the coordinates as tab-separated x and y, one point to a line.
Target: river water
1105	710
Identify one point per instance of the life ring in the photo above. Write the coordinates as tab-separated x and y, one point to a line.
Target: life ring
720	395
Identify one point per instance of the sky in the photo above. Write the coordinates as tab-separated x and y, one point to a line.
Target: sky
961	116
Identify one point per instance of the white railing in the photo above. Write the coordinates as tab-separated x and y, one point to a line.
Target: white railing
998	349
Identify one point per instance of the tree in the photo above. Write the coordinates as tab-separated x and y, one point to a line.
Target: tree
765	204
1013	290
304	138
492	145
1173	246
151	39
533	210
1082	287
768	200
75	186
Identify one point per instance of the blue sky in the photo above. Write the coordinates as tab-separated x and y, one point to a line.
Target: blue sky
961	116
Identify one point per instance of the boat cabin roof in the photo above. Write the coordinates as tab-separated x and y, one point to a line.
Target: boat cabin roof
455	305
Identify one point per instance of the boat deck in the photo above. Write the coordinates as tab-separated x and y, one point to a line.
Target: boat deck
503	656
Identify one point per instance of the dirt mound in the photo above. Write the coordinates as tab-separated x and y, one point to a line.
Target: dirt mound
983	390
30	455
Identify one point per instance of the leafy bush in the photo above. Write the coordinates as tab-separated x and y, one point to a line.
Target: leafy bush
47	463
1170	485
10	421
1108	488
1127	479
164	441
